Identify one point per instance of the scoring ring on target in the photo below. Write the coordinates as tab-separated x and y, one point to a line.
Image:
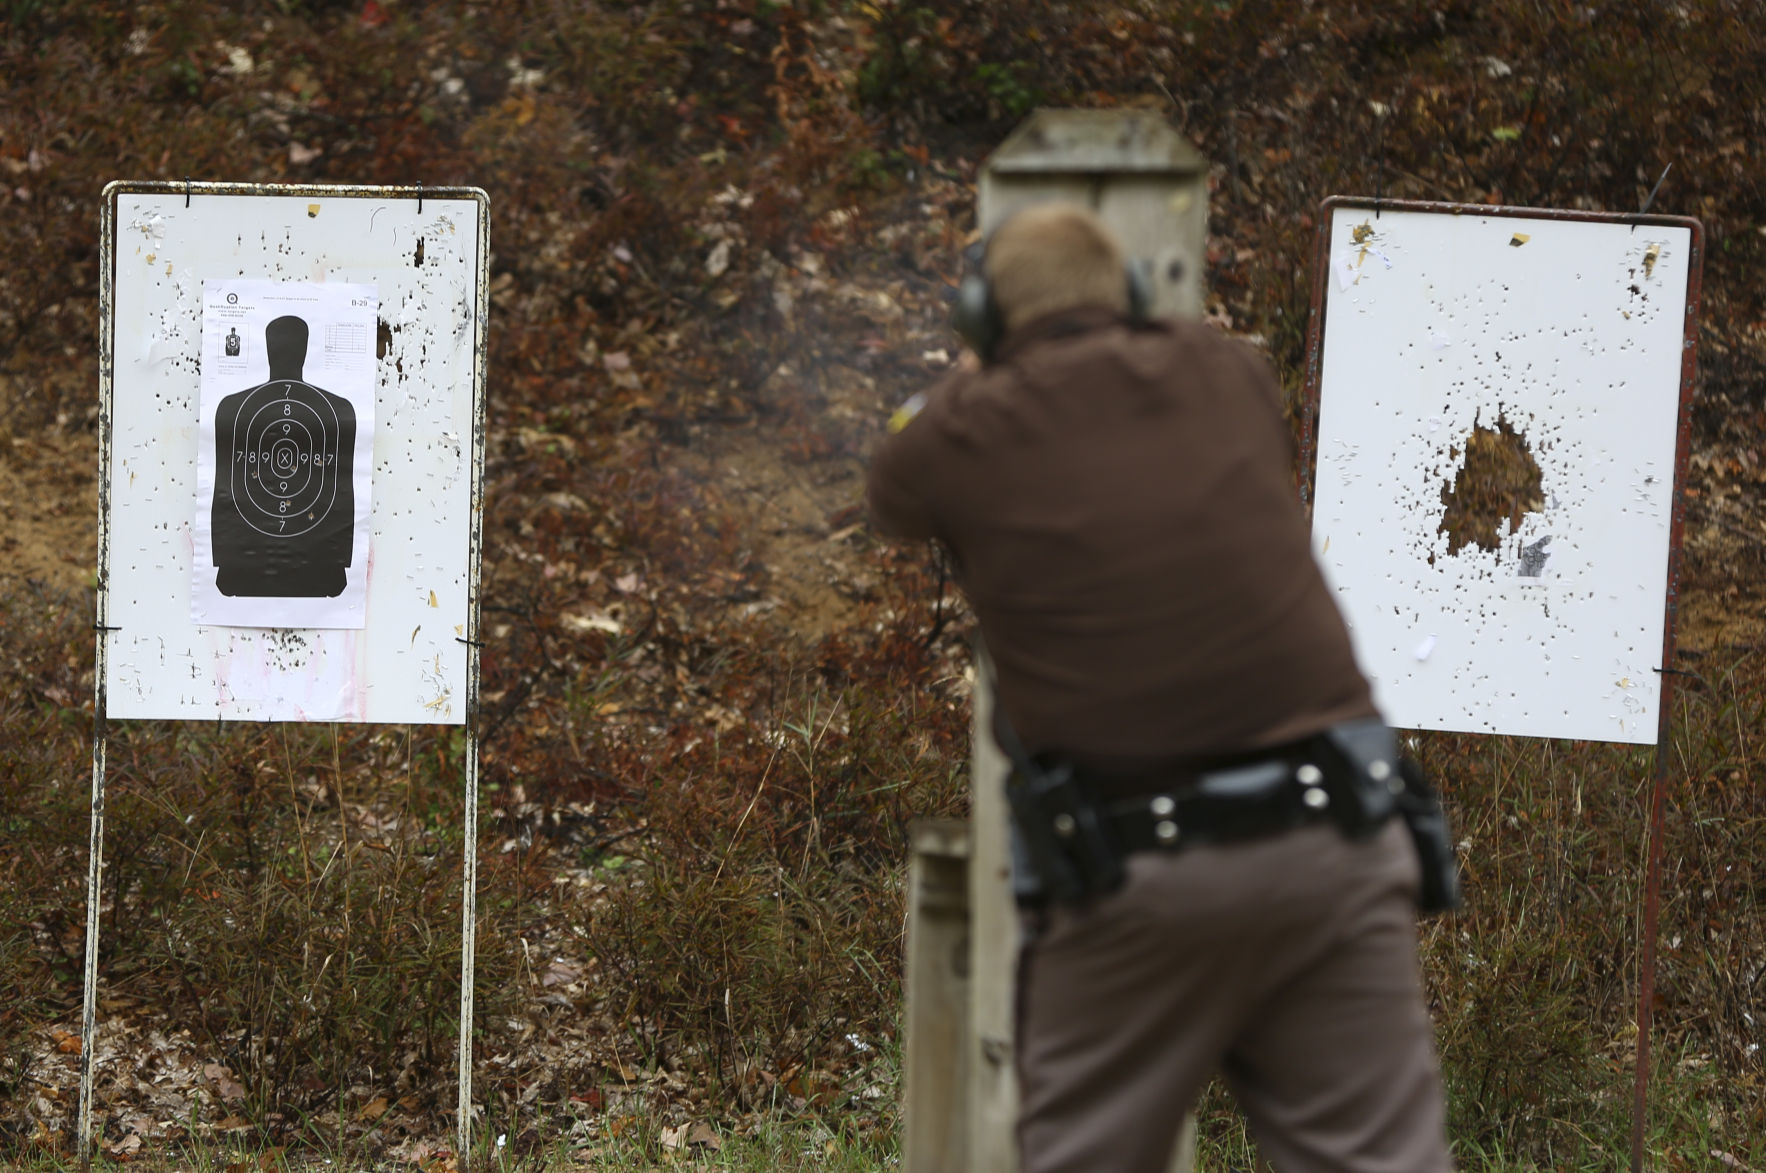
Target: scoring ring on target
285	467
286	444
266	489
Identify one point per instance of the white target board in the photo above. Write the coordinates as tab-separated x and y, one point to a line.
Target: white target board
1498	458
291	441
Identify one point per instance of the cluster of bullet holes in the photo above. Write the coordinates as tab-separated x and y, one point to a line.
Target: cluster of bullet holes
1497	483
1639	301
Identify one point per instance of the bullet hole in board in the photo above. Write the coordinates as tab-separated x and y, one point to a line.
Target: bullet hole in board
382	338
418	259
1497	481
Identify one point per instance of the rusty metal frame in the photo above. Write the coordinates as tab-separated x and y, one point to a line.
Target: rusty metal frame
100	694
1304	474
475	558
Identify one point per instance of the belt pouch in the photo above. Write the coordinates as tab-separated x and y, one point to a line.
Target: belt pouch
1364	786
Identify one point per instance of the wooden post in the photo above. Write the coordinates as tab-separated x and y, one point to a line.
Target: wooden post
937	1071
993	914
1150	186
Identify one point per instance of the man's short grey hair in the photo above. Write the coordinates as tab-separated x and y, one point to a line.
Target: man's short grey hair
1054	256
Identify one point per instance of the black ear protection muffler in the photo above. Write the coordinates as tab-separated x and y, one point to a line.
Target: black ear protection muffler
976	315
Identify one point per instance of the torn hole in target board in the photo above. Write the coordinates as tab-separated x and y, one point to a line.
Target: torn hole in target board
1351	264
1494	487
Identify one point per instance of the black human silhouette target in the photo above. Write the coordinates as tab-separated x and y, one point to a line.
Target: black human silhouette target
284	508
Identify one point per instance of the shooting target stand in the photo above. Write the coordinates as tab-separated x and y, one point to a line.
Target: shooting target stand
291	460
1564	343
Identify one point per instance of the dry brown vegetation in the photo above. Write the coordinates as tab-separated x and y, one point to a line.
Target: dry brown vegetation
724	234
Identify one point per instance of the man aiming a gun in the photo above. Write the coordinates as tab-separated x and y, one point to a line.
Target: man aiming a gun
1204	796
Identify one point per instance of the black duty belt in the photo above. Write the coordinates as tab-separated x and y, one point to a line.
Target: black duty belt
1071	843
1224	806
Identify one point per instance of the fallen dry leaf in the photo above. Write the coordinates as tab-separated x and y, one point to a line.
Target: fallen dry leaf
124	1149
46	1138
593	621
229	1086
264	1162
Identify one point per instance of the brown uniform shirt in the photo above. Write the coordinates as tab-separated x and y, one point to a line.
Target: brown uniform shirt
1121	505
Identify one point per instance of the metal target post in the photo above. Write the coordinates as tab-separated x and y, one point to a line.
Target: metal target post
94	888
1652	883
469	850
468	948
421	255
100	723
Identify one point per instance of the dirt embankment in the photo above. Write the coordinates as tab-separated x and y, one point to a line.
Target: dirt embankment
48	480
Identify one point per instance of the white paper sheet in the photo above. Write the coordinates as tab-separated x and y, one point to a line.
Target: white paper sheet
285	457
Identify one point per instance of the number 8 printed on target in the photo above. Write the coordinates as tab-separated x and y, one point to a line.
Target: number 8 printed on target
284	504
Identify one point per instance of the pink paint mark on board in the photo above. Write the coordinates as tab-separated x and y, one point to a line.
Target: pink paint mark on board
354	700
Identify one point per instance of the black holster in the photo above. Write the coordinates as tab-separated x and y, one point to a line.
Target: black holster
1420	808
1060	834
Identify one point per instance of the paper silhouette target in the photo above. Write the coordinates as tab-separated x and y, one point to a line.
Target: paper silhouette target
284	509
286	517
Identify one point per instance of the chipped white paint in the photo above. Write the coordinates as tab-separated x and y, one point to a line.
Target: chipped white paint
1572	333
161	664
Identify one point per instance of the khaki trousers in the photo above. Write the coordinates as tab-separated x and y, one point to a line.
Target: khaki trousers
1287	964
